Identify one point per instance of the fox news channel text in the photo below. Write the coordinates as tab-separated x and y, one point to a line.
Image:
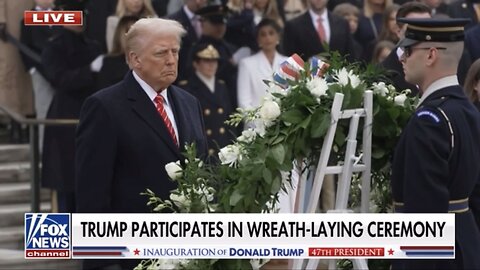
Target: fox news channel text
188	236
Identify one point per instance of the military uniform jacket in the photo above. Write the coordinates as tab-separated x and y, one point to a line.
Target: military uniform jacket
216	108
431	167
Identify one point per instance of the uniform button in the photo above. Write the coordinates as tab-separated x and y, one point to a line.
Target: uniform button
221	130
220	110
206	112
211	151
209	132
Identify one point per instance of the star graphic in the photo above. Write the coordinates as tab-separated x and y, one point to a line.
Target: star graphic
136	252
390	251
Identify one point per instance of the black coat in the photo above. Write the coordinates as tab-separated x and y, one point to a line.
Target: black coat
36	38
472	42
66	62
187	42
463	9
113	70
395	73
300	36
428	171
217	108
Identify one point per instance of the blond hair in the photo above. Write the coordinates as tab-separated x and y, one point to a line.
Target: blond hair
147	27
147	10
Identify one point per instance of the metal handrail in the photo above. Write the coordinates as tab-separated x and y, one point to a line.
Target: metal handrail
34	149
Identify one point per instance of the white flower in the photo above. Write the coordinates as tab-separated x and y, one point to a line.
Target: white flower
247	136
270	110
174	170
317	86
230	154
400	100
344	77
259	126
274	88
180	200
380	89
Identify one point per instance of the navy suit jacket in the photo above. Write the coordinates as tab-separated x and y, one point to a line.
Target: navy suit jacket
300	36
123	145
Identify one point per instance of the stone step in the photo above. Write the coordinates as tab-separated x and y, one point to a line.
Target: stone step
12	215
12	238
14	259
19	193
14	172
14	152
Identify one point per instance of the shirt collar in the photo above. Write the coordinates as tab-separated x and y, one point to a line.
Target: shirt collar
189	13
315	16
149	90
437	85
209	82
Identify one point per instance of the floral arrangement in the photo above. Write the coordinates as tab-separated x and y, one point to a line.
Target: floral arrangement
289	125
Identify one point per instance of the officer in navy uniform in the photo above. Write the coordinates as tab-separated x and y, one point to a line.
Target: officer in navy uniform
213	20
435	165
213	95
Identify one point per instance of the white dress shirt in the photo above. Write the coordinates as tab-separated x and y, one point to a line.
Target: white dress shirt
152	94
209	82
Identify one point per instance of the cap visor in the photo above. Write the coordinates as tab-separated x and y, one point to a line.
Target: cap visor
406	42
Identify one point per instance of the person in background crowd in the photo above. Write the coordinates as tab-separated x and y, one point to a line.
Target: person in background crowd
370	24
214	97
191	22
472	42
161	7
382	50
114	66
306	34
36	38
392	63
350	13
241	26
437	6
389	25
266	9
66	61
435	165
472	84
140	8
128	132
214	18
253	70
96	18
465	9
294	8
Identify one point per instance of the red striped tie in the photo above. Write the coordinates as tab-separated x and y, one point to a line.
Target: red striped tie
159	100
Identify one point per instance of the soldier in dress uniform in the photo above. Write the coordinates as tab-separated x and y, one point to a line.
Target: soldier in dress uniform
435	166
213	95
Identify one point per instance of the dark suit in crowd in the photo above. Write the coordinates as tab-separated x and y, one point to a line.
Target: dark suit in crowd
187	42
395	73
300	36
113	70
463	9
66	61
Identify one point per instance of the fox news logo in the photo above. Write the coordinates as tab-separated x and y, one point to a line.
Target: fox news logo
47	236
53	17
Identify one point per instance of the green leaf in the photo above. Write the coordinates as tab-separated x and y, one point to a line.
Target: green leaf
276	184
236	197
320	129
278	153
293	116
267	176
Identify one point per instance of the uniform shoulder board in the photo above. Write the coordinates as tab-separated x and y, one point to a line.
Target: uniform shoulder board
183	82
221	81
